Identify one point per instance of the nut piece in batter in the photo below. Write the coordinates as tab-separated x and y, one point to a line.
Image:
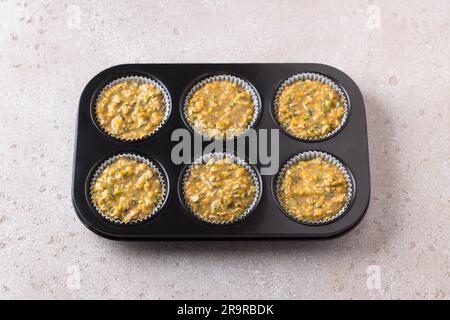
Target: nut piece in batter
220	109
130	109
127	190
313	190
310	109
219	191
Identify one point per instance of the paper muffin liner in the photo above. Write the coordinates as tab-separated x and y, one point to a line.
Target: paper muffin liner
218	156
309	155
140	80
316	77
138	158
224	77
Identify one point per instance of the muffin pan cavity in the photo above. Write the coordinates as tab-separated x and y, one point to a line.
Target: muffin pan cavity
128	189
227	105
265	216
223	202
310	107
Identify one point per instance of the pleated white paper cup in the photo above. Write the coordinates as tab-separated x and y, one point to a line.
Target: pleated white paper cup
309	155
314	77
138	158
234	159
141	80
224	77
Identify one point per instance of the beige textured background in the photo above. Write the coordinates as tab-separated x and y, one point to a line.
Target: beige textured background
402	68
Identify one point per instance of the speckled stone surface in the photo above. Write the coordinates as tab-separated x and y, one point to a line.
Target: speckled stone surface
398	53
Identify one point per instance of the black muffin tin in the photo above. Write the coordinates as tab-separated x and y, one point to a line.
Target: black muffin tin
175	221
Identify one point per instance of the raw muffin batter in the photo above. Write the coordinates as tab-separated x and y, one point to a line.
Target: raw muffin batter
127	190
219	191
310	109
130	110
313	190
220	109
